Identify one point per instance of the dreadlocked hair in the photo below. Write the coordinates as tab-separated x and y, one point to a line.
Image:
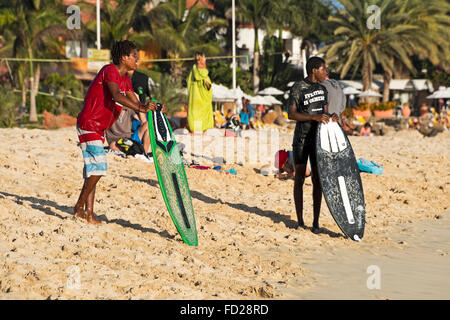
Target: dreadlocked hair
121	48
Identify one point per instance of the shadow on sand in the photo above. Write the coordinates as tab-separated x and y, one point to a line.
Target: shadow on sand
46	206
275	217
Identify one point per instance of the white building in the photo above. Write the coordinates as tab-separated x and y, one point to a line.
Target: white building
245	43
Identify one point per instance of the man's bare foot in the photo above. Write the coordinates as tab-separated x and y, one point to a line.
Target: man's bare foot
91	219
301	225
316	230
79	213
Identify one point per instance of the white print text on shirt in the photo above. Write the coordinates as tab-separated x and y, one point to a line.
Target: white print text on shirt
312	97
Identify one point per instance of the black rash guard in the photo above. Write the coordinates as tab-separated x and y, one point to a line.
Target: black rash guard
309	98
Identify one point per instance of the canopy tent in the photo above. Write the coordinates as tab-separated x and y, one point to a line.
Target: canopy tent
258	100
351	90
241	94
271	91
442	93
223	94
370	93
272	100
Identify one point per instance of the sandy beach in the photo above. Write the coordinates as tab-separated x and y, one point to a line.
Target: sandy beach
249	247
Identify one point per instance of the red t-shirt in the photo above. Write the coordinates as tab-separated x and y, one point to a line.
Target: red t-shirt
100	111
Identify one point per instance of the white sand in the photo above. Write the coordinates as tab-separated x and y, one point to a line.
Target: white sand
248	245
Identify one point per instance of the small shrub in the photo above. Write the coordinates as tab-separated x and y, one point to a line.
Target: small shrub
8	106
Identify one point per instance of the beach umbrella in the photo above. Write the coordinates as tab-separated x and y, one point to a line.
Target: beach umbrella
241	94
258	100
370	93
272	100
222	93
442	93
351	90
271	91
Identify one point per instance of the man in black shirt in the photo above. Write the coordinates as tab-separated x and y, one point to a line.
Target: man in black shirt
308	106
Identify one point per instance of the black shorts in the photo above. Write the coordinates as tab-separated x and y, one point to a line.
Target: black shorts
304	148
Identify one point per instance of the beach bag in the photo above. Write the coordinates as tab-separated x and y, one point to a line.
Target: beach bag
130	147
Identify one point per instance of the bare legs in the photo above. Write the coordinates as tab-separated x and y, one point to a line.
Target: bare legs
84	208
298	194
144	136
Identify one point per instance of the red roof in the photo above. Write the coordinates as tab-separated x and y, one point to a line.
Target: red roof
201	3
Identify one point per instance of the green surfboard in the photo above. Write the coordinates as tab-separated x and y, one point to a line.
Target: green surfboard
172	177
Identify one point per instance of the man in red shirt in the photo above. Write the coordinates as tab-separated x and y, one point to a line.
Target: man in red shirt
107	94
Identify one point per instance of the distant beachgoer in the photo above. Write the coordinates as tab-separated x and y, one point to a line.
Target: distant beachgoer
200	110
251	112
284	162
244	117
347	125
131	124
365	130
336	97
308	106
109	91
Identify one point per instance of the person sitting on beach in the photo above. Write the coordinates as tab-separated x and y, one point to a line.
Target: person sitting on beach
284	162
244	117
123	128
335	96
251	112
347	125
110	90
308	106
131	124
365	130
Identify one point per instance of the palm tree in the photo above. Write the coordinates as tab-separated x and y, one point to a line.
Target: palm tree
420	29
63	86
311	23
119	21
37	25
357	45
255	12
407	29
181	31
170	93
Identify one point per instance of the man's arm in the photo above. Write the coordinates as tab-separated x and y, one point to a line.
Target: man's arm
294	115
334	116
129	100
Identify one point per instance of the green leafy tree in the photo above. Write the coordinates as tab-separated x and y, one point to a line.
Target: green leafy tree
37	24
180	32
119	20
8	105
407	28
66	86
255	12
169	92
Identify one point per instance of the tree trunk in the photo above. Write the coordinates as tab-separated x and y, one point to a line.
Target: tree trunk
176	68
366	79
366	76
387	77
255	72
256	61
34	85
24	96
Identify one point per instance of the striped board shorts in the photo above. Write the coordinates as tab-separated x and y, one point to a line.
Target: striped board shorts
94	155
